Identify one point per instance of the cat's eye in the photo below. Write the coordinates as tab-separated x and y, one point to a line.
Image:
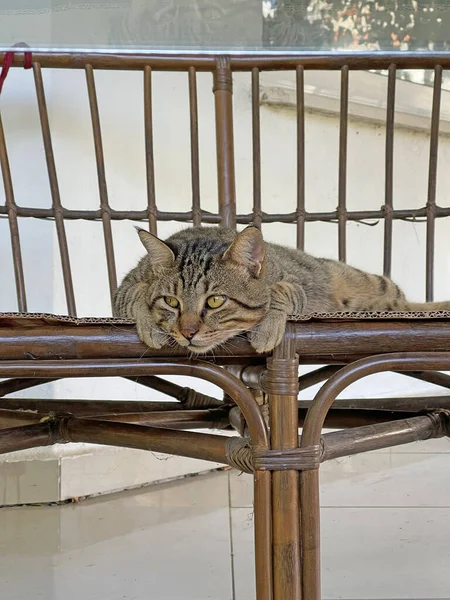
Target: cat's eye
215	301
171	301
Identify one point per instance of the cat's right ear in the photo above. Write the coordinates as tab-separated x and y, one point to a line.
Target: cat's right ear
247	250
160	254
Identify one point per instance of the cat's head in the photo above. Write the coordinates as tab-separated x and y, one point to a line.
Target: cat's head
205	290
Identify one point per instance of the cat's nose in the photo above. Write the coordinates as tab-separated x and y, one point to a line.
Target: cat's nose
189	332
188	326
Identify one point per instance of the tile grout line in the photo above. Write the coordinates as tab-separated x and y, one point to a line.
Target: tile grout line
230	525
370	507
385	507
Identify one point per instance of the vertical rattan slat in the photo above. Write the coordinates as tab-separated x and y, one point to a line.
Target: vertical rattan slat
102	187
342	192
287	576
223	99
149	159
195	164
389	169
300	85
432	175
54	188
13	224
262	486
256	149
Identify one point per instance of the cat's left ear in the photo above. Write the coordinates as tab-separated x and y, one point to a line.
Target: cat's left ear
247	250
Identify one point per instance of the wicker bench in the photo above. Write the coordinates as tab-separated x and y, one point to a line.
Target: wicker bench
260	399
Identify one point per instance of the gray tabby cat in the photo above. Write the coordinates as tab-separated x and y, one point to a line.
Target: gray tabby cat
203	286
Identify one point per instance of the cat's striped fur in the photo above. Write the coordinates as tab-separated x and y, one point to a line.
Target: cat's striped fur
260	284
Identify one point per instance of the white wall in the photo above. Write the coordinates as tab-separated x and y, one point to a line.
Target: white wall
121	108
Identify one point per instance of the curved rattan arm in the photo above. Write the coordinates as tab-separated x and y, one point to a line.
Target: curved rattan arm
311	437
362	368
129	367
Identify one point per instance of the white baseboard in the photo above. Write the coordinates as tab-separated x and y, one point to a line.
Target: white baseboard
67	472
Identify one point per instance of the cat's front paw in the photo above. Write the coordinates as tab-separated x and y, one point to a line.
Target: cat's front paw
269	332
149	334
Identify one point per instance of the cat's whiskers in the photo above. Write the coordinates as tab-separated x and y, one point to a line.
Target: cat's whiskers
120	327
144	353
228	345
223	346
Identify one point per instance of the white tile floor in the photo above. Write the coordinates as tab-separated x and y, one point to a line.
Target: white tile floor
385	534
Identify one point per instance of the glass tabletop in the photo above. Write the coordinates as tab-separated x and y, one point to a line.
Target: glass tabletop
226	25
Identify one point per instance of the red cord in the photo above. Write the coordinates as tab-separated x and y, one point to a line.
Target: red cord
8	61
